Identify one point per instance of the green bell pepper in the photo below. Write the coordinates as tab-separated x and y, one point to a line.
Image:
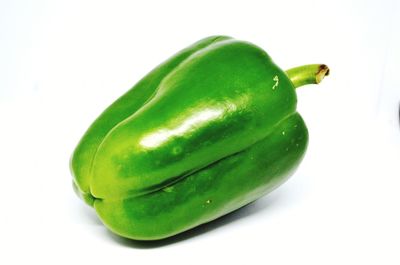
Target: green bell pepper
208	131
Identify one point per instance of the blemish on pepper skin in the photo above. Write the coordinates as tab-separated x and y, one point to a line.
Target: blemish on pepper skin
168	189
208	201
276	79
177	150
283	132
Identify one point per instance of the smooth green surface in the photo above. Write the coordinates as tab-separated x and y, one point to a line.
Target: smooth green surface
210	130
216	103
212	192
126	105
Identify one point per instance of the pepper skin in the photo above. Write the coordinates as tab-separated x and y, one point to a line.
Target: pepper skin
208	131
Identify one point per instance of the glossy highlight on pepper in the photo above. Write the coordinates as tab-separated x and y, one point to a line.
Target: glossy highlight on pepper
208	131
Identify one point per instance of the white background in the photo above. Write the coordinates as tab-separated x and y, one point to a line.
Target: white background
62	63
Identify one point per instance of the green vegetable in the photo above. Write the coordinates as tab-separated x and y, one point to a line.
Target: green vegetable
208	131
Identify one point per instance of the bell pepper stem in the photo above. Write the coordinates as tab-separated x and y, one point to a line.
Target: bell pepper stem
307	74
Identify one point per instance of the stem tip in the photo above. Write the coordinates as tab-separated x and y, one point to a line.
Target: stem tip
307	74
322	72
